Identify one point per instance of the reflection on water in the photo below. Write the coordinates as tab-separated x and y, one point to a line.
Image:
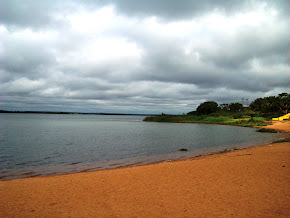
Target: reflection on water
49	144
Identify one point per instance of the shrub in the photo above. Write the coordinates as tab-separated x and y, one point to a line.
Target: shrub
282	140
207	107
267	130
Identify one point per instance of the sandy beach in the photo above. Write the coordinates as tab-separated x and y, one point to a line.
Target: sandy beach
283	126
252	182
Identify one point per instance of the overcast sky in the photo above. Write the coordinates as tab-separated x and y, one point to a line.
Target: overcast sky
136	56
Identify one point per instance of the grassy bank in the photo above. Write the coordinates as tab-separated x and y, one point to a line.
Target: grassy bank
245	121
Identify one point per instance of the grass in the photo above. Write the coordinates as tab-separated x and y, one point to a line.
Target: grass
245	121
267	130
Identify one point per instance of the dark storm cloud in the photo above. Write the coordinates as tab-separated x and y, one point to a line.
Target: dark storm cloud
26	13
140	56
25	59
228	65
40	13
248	44
172	9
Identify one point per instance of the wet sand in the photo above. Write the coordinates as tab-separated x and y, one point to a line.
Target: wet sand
252	182
282	126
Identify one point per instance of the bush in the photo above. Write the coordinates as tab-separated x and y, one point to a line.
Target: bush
282	140
234	107
207	107
238	116
267	130
192	113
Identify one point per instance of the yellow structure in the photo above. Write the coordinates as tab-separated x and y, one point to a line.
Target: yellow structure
285	117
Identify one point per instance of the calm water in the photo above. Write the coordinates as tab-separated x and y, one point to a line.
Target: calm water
44	144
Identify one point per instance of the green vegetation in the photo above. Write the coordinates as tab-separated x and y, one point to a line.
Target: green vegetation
267	130
209	119
260	113
282	140
207	107
272	104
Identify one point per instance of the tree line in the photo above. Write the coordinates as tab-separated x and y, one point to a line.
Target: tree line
273	104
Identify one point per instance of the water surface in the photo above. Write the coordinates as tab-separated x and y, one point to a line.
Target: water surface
48	144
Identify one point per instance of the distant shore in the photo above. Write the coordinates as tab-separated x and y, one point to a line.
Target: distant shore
81	113
252	182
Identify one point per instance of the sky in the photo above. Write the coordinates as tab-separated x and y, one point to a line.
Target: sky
136	56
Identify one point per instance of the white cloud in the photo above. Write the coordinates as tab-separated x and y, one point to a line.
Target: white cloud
109	58
22	85
93	22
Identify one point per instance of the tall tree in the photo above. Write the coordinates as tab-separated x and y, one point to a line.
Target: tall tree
207	107
234	107
272	104
284	102
225	107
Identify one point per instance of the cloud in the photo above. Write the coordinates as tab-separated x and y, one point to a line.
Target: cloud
186	9
140	56
27	13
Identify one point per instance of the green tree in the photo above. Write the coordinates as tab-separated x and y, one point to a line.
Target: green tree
207	107
284	102
272	104
225	107
192	113
260	104
234	107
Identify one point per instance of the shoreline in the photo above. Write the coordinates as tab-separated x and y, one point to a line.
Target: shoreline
248	182
55	170
239	120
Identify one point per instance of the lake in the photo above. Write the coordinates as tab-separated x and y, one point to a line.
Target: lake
50	144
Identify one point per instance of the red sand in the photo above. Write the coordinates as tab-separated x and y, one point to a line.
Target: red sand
283	126
252	182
